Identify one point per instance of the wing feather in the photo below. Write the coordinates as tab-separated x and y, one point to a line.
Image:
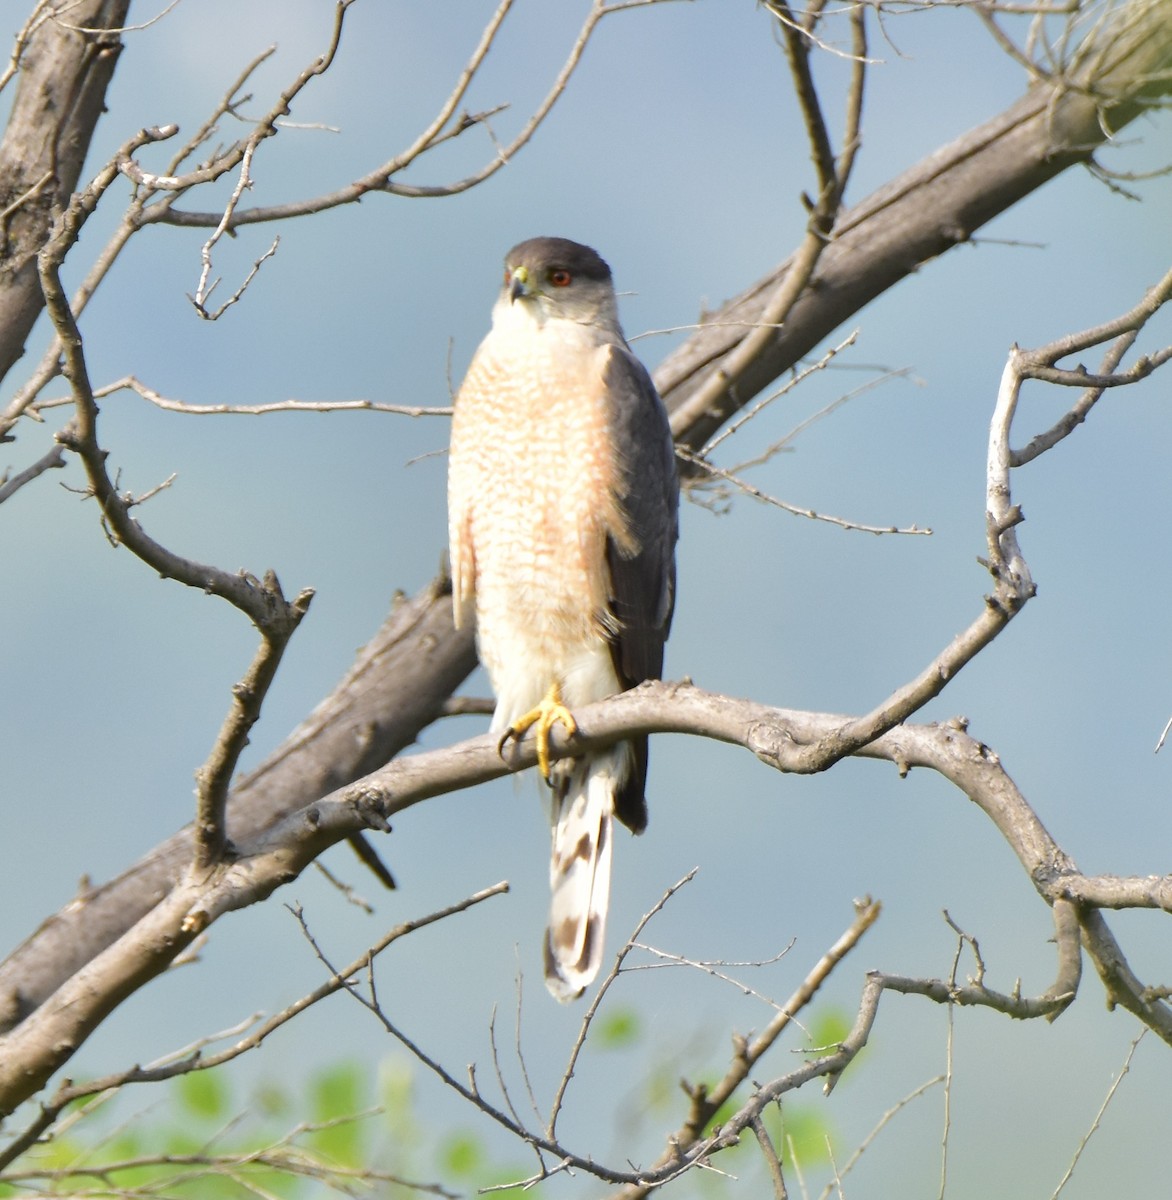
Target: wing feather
641	567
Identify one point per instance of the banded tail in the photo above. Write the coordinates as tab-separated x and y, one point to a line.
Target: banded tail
579	870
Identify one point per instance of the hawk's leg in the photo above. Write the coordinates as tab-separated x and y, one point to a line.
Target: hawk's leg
550	712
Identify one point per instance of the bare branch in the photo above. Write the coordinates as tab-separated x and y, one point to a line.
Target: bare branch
796	40
49	367
1163	736
1013	585
1122	332
40	14
937	205
20	201
351	895
600	995
253	271
1122	891
193	1058
785	443
790	384
716	969
690	1145
215	775
10	484
62	77
169	404
440	129
1119	980
235	155
264	605
743	485
880	1125
1099	1115
772	1158
122	28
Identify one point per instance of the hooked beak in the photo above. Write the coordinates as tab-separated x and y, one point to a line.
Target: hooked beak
519	284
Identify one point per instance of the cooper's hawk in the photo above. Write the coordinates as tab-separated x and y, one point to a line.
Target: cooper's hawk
562	507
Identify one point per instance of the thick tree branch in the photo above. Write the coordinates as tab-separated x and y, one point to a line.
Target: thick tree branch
274	617
50	365
1125	66
697	1140
63	76
276	855
404	678
396	687
198	1060
885	238
264	604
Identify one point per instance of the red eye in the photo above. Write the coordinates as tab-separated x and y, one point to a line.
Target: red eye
560	278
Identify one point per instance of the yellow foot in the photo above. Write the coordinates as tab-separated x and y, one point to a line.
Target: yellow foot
550	712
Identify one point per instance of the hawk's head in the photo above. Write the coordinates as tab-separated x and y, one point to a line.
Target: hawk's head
556	279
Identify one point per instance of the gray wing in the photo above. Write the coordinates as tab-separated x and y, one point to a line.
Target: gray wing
643	582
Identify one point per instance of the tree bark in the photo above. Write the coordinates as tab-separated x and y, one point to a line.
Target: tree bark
396	687
402	679
936	205
60	94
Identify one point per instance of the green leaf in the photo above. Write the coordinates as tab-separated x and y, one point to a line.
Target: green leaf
337	1094
129	1143
203	1094
618	1029
462	1155
337	1091
829	1028
396	1092
272	1100
502	1175
807	1134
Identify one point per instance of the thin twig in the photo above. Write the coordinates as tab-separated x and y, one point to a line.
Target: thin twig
785	442
878	1128
949	1046
496	1066
192	1058
787	387
50	460
121	28
1099	1115
352	897
533	1105
1163	736
757	494
168	404
446	124
667	959
600	995
772	1158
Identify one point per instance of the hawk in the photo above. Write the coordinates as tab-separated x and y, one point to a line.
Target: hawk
562	512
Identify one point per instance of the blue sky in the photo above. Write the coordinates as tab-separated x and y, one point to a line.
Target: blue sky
678	154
